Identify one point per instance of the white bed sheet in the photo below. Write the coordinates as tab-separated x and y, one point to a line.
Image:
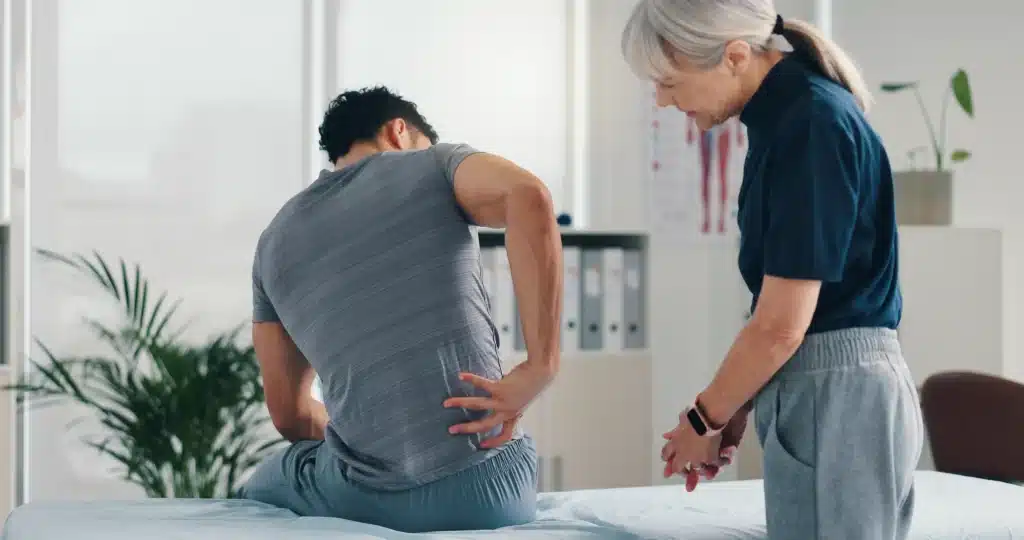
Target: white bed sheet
948	507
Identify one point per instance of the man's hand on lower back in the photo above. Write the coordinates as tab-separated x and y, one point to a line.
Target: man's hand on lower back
506	401
312	422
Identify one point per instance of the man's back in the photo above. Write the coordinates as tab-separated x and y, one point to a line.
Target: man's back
374	271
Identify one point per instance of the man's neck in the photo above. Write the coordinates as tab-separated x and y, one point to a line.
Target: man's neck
357	153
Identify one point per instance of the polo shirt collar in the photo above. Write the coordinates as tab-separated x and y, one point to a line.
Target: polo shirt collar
785	82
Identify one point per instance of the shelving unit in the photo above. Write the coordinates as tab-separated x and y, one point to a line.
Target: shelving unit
592	427
606	288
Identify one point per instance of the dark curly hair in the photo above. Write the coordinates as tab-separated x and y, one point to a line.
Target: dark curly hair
357	115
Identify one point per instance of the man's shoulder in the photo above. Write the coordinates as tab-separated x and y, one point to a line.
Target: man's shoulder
440	154
271	232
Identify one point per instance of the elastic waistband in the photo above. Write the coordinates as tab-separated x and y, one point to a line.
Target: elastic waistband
515	452
845	348
518	453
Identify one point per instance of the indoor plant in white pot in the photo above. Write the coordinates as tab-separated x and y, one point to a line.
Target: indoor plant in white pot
924	196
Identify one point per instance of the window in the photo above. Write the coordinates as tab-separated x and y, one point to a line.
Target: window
490	73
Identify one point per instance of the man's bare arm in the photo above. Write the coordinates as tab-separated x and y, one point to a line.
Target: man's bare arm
497	193
288	381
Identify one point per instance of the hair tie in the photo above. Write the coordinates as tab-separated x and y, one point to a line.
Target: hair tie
780	26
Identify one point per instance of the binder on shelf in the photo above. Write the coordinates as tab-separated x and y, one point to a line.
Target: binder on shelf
592	302
633	304
571	298
488	277
612	271
504	303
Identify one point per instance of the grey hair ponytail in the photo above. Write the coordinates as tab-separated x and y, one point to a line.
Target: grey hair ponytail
700	30
828	58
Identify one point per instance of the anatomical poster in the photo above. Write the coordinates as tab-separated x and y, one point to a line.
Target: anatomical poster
695	174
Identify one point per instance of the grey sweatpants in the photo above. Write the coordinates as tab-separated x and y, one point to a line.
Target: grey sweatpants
841	429
309	479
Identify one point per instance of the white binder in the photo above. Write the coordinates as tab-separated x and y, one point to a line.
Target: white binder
571	298
504	303
614	293
488	276
592	300
634	318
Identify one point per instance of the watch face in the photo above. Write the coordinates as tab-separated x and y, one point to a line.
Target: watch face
696	421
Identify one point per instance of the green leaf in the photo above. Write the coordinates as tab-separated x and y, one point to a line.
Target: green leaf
959	155
962	92
181	419
898	87
104	278
57	257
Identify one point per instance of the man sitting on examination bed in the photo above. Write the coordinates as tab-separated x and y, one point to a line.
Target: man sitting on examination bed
370	277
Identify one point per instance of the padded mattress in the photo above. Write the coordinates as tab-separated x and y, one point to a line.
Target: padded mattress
948	507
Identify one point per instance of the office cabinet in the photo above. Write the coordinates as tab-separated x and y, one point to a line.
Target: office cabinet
592	426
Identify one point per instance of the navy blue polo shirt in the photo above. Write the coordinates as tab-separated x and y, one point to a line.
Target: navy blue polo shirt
816	201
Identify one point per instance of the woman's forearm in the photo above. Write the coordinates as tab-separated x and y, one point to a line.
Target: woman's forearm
756	355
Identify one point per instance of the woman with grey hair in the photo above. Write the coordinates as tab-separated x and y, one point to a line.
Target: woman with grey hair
836	408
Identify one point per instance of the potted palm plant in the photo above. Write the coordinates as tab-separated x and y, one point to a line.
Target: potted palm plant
924	196
182	420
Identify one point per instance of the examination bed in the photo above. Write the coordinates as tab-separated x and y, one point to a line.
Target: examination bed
948	507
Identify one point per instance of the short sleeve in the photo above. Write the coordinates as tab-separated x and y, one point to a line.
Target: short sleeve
449	157
262	309
813	193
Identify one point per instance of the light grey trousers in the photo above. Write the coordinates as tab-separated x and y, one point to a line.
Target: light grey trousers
841	429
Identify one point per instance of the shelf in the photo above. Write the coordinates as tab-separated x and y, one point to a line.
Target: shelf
577	238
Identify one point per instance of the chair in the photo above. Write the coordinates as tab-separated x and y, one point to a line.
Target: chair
975	425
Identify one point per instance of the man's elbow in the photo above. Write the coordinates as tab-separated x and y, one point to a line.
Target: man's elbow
530	199
287	424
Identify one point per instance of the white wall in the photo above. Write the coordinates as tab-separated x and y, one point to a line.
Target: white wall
617	118
166	146
475	78
927	40
948	328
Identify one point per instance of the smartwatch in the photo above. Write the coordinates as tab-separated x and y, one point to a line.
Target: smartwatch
699	422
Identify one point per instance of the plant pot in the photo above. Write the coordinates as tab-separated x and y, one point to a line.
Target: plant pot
924	197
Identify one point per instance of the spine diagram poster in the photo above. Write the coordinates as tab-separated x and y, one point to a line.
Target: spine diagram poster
695	174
